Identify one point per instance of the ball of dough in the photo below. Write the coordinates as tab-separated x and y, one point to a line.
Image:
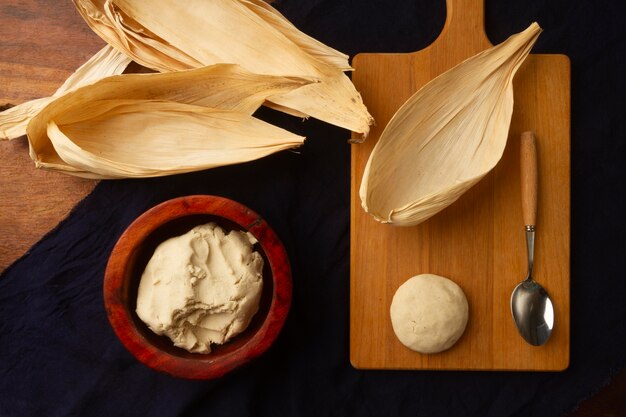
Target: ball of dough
429	313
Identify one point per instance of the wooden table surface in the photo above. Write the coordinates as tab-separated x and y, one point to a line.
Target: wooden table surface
39	48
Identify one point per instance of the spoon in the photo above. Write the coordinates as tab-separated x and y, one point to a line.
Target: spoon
531	306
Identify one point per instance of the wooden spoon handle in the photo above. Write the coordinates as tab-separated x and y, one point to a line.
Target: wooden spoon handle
528	166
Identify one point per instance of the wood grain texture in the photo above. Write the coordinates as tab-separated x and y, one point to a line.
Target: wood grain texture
528	180
41	44
478	242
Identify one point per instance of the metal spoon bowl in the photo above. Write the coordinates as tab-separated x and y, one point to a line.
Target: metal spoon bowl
531	305
533	312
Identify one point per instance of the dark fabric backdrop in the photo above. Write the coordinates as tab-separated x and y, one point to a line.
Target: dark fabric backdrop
59	356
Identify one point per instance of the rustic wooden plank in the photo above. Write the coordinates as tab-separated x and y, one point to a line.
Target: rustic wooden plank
39	48
478	242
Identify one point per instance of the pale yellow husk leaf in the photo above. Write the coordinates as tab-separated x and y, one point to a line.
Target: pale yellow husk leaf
142	125
446	137
108	61
169	35
142	138
310	45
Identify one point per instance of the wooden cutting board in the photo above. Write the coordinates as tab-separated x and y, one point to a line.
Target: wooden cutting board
478	242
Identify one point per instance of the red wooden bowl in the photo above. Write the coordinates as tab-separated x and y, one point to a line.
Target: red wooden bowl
133	251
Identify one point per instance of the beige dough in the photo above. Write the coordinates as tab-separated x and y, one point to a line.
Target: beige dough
429	313
202	287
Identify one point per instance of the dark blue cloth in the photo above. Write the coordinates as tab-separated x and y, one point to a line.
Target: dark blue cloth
59	356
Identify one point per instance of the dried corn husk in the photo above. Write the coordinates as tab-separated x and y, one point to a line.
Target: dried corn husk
310	45
446	137
144	125
169	35
108	61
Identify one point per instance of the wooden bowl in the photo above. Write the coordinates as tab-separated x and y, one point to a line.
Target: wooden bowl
133	251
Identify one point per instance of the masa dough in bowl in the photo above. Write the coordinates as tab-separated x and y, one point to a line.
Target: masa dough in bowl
202	287
429	313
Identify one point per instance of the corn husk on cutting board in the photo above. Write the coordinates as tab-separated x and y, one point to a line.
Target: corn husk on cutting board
446	137
478	240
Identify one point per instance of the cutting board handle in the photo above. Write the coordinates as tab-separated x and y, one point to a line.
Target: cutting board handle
465	24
